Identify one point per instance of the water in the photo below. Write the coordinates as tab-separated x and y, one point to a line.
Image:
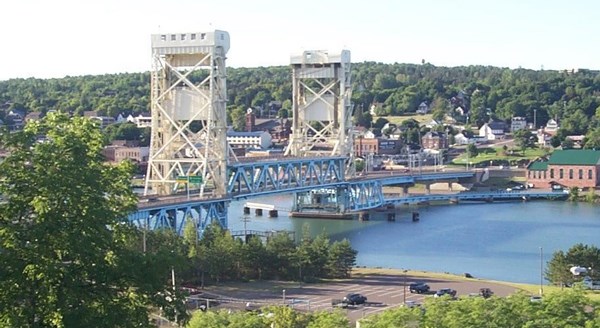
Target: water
498	241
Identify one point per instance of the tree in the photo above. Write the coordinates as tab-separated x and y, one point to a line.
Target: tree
323	319
68	259
578	255
524	139
472	151
238	119
342	258
592	139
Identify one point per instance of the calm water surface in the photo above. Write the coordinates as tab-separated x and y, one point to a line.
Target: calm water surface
494	241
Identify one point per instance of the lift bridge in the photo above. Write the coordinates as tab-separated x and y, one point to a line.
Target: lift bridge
194	175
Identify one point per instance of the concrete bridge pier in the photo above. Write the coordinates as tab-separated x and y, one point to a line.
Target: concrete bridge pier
363	216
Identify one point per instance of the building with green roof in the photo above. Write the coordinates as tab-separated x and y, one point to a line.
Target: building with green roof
567	168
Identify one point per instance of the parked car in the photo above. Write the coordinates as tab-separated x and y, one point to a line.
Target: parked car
445	291
418	287
355	299
485	292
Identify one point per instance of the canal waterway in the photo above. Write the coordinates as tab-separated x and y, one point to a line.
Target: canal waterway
499	241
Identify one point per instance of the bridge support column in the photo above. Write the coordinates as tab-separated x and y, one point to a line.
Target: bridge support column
450	185
363	216
415	216
405	191
273	213
246	210
258	212
428	188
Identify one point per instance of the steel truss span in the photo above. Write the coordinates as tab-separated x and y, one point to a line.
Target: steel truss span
251	179
177	216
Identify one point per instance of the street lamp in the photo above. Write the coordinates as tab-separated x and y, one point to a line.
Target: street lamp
404	297
541	271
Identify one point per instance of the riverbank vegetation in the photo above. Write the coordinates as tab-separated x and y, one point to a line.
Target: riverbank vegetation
570	308
580	256
220	257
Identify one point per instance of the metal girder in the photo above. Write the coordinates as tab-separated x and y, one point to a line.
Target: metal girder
188	95
321	106
249	179
365	195
176	216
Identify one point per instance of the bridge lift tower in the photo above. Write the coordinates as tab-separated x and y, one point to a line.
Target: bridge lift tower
321	107
188	95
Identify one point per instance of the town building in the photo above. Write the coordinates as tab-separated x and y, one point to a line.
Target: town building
118	153
376	146
143	120
434	140
255	139
567	168
518	123
493	130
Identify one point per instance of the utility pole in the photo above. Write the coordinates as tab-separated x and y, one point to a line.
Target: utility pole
541	271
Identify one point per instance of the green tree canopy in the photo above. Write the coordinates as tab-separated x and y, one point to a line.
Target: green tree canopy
68	259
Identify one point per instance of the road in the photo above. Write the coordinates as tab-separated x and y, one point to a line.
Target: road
383	291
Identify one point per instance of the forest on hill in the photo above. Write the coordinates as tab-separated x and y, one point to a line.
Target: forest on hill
570	97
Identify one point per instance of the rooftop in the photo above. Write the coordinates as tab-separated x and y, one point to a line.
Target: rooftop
575	157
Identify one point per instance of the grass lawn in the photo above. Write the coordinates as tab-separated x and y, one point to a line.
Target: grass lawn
487	155
399	119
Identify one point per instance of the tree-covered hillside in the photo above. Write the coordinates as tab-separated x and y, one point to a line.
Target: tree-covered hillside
571	97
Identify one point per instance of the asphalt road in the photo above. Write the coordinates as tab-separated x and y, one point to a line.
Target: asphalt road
383	291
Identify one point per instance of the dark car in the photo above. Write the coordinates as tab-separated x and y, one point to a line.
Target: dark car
445	291
486	292
355	299
418	287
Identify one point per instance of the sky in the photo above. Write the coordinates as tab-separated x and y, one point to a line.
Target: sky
53	39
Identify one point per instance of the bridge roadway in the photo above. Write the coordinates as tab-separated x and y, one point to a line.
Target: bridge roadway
488	196
274	176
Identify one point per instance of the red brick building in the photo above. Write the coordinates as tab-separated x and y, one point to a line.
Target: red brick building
568	168
376	146
434	140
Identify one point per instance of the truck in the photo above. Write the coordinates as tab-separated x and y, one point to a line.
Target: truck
591	284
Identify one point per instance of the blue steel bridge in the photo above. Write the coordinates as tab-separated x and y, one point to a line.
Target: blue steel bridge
304	177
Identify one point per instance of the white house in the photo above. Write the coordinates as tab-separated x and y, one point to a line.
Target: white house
518	123
260	139
423	108
143	120
492	131
551	126
543	138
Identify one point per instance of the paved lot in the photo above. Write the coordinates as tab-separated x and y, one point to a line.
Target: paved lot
383	291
